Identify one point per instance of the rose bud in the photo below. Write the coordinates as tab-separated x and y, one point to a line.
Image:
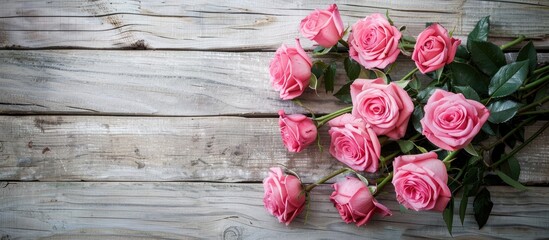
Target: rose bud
355	203
284	197
373	42
434	48
451	121
297	131
421	182
290	70
323	26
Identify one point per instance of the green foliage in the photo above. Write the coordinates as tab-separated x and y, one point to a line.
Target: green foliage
482	207
528	52
487	56
502	111
508	79
480	32
352	68
448	215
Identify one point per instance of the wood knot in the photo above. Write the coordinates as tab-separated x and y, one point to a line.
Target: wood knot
232	233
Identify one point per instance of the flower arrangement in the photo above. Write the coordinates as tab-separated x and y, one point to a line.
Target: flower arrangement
450	137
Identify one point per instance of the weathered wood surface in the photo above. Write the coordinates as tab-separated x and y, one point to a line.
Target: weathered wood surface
228	149
235	211
170	83
239	25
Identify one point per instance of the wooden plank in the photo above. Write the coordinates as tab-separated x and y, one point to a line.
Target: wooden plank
230	25
171	83
227	149
235	211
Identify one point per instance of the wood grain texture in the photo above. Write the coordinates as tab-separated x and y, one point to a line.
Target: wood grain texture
239	25
227	149
235	211
173	83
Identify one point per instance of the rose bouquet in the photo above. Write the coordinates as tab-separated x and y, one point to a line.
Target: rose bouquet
447	132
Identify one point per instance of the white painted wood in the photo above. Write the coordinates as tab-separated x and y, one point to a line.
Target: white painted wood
239	25
235	211
227	149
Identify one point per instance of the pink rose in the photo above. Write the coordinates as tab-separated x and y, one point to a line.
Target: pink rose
284	197
373	42
290	71
386	108
451	121
420	182
323	26
354	144
355	203
297	131
434	48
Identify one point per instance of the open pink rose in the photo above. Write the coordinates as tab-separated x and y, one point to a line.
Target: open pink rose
355	203
297	131
290	70
283	195
386	108
434	48
373	42
354	144
421	182
323	26
451	121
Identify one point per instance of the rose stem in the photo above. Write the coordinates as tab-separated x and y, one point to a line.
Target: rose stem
540	70
450	156
324	119
513	43
383	183
533	113
500	140
539	102
345	44
517	149
385	159
535	83
310	187
409	74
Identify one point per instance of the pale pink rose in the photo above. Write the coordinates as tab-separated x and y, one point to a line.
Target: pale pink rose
451	121
355	203
284	197
323	26
421	182
386	108
297	131
434	48
354	144
290	70
373	42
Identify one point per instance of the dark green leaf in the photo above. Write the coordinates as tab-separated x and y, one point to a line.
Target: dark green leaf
482	206
480	32
352	68
497	151
487	56
502	111
313	82
438	73
380	74
467	92
424	94
471	176
471	150
462	53
466	75
463	204
487	129
417	115
528	52
344	94
448	215
512	168
508	79
329	77
318	68
410	39
401	83
405	145
510	181
414	83
319	51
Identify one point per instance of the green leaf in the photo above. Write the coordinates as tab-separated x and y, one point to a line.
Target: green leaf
502	111
402	83
462	53
421	149
487	56
482	207
364	74
463	204
403	209
329	77
438	73
471	176
313	82
344	93
511	182
488	130
511	167
467	92
414	83
424	94
466	75
448	215
417	115
471	150
319	51
363	179
405	145
528	52
388	18
352	68
508	79
318	68
480	32
380	74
